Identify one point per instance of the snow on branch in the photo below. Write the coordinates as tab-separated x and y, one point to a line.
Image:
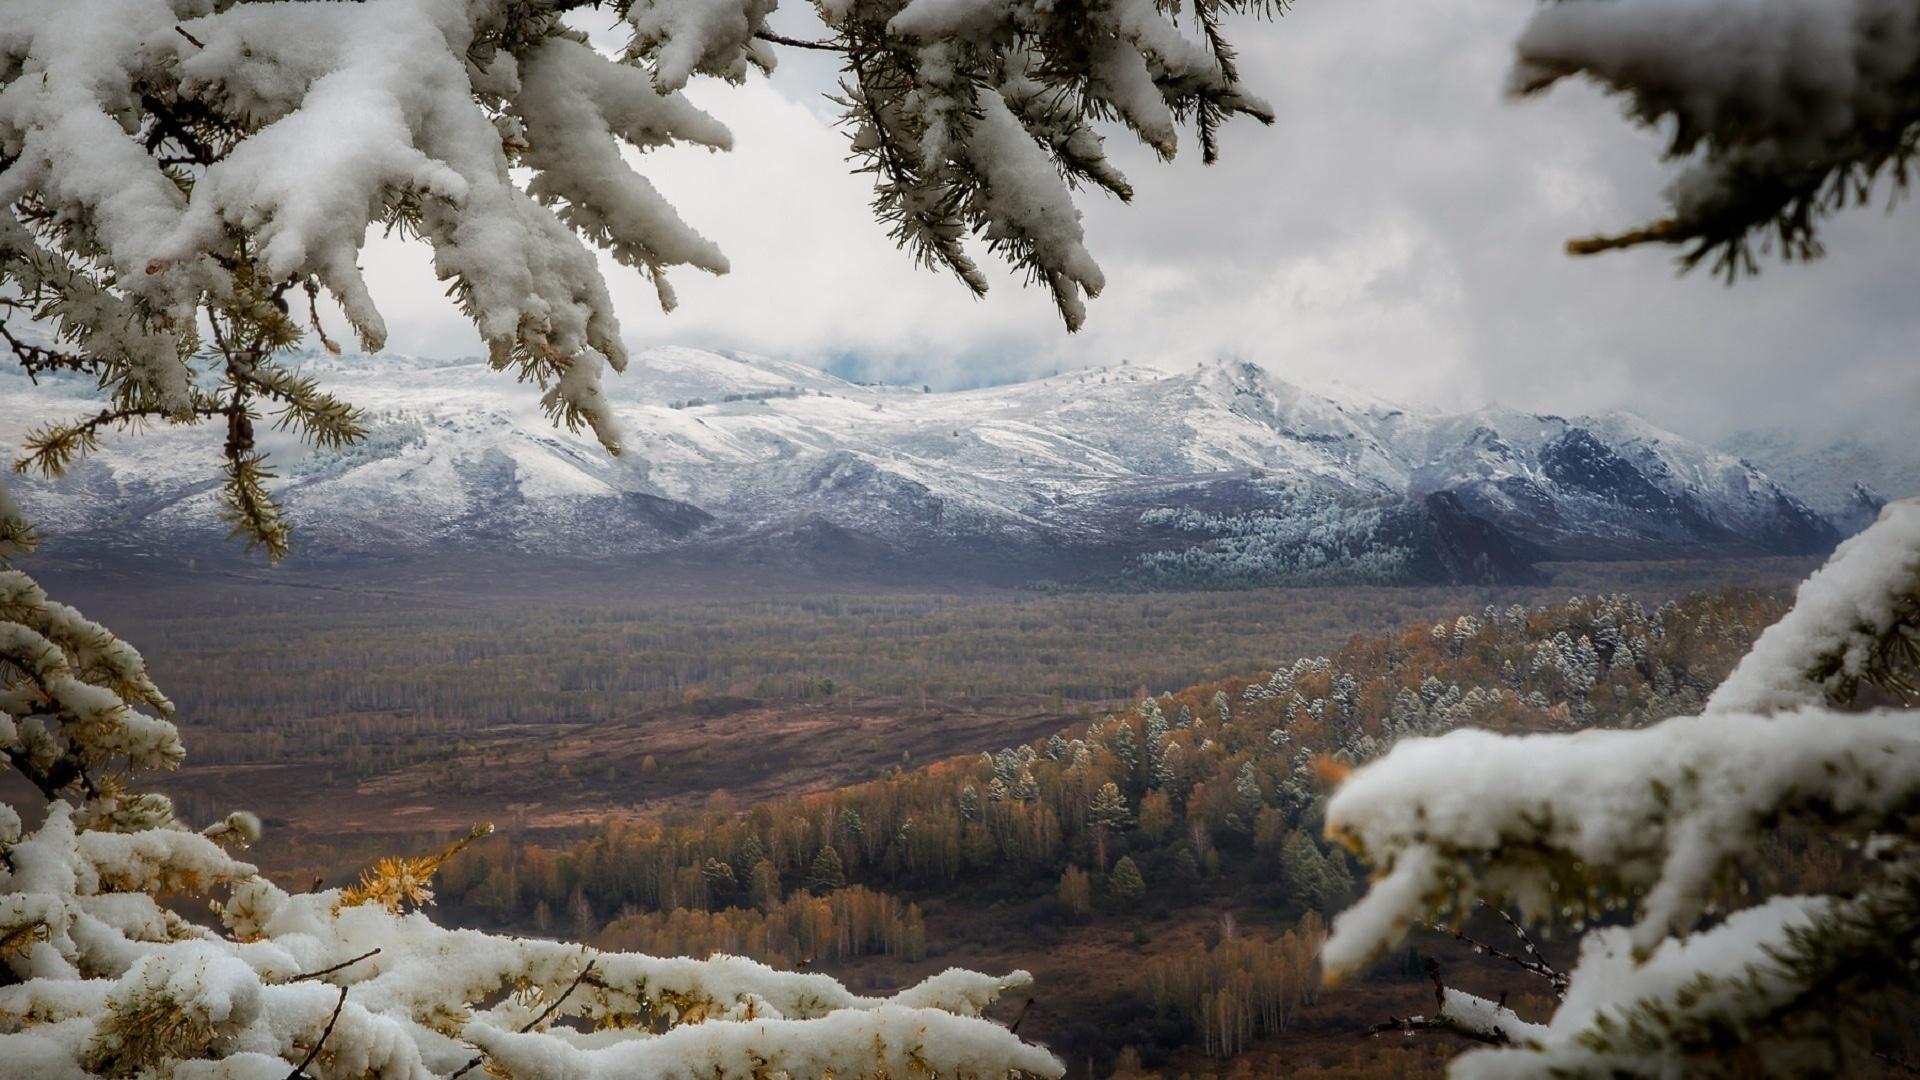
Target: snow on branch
1856	620
977	116
1586	821
1782	111
99	977
1649	823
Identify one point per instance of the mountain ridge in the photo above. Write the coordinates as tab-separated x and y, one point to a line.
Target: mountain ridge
1063	473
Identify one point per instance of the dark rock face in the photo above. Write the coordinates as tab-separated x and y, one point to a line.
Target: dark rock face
1457	548
1579	462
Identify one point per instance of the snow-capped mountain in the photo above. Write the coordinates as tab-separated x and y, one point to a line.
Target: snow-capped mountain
1222	473
1847	479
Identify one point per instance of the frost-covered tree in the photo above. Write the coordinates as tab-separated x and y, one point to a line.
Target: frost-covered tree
1650	825
1247	796
1109	808
99	976
1025	787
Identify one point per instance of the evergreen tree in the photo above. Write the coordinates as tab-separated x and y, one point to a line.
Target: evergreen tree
1247	796
1125	883
969	804
827	872
1309	876
1109	808
1167	767
1025	788
1126	747
750	855
721	882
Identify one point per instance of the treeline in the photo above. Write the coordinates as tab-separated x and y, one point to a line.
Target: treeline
790	932
1168	786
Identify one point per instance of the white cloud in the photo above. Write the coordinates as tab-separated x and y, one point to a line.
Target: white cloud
1399	229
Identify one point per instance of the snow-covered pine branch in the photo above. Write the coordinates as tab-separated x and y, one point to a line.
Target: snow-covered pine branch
1651	822
181	177
1782	111
99	977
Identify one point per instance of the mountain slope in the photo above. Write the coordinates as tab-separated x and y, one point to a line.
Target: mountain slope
1074	474
1847	479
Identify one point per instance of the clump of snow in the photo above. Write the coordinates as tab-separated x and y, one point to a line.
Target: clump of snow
102	978
1648	821
1657	812
1841	614
1764	97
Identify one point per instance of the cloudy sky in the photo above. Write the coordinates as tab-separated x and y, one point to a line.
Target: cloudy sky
1399	230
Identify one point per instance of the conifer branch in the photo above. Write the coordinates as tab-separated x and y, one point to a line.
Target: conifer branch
475	1062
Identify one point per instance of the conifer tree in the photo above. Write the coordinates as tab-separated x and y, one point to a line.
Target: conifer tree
1109	808
1025	788
969	804
1125	883
1248	799
827	872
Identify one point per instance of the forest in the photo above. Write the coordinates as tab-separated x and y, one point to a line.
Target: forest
1177	839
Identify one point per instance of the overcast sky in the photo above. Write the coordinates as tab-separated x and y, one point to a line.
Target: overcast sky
1399	229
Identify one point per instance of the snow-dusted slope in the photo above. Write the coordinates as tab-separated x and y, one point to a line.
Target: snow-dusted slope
737	450
1847	479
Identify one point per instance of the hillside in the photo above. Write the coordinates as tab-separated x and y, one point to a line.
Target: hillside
1220	476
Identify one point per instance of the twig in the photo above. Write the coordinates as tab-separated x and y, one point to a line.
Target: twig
1411	1024
557	1002
334	968
1540	967
1532	963
1439	1021
182	31
313	317
300	1071
533	1023
782	39
1014	1028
